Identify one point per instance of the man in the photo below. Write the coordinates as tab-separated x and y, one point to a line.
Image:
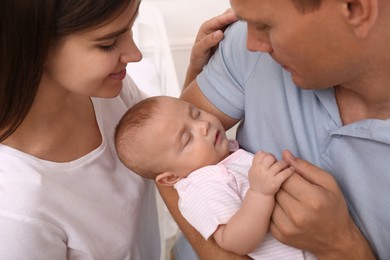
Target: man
315	81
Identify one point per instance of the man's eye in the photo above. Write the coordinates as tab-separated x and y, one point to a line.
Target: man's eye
262	26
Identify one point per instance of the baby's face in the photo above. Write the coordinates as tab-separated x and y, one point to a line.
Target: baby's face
185	138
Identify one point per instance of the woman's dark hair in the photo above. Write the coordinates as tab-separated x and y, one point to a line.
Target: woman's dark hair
28	29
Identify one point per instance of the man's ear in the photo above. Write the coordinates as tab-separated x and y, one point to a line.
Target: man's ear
361	15
167	179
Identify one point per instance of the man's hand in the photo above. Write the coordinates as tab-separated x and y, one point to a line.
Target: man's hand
311	214
209	35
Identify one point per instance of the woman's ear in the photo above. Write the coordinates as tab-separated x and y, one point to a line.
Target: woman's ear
361	15
167	179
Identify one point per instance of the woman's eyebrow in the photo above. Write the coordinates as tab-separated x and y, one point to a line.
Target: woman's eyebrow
112	34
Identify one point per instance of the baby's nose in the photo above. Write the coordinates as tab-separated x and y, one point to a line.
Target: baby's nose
204	127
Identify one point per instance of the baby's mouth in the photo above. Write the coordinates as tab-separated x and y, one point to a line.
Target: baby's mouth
217	135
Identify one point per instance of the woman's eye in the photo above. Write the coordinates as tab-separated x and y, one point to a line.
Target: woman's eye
108	48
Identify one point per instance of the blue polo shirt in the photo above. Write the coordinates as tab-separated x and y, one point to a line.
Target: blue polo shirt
277	115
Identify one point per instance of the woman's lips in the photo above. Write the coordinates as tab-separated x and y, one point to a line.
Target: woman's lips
119	76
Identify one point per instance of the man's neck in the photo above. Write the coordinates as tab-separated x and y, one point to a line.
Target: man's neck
359	105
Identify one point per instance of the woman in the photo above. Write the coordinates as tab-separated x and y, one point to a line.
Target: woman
63	192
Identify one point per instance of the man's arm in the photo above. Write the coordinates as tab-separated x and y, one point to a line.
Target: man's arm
311	214
205	249
194	95
209	35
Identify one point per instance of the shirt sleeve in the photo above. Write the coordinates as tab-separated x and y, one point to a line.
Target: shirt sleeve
224	78
28	238
208	198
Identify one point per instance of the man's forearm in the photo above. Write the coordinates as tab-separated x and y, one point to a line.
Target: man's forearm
354	246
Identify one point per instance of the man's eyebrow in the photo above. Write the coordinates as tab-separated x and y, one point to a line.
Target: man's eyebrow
120	31
240	18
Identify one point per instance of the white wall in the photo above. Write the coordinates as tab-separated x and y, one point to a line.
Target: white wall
182	19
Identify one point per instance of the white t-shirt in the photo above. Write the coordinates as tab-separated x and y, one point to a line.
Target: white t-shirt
90	208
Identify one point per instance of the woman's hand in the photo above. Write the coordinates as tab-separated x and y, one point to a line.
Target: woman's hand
209	35
311	214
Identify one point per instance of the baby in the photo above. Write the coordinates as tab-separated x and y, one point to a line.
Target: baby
224	191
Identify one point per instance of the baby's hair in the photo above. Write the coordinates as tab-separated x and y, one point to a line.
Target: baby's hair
128	134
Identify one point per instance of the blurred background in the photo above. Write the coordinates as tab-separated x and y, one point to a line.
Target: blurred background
182	19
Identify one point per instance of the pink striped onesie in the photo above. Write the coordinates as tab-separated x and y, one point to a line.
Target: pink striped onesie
210	196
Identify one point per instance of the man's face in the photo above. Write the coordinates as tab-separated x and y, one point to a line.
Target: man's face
313	46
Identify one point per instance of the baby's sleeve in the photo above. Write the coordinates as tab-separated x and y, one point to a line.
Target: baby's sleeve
209	198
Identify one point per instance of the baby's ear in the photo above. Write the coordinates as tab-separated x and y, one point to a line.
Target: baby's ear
167	179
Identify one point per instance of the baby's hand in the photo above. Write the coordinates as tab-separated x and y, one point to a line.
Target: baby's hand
267	173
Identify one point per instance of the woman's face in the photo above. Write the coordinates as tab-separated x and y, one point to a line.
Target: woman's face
93	63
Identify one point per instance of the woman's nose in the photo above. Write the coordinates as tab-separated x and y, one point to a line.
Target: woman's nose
130	53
